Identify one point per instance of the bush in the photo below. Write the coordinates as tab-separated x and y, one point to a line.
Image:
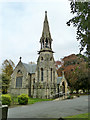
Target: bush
14	99
6	99
23	99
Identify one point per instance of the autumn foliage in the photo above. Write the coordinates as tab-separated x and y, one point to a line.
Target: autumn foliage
75	68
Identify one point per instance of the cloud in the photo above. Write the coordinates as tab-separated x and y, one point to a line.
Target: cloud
44	1
22	28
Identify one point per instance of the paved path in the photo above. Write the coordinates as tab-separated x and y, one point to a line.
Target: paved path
51	109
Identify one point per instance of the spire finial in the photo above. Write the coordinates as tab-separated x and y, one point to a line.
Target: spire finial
45	15
20	58
45	12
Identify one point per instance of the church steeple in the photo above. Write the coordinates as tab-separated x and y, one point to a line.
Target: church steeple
46	31
46	39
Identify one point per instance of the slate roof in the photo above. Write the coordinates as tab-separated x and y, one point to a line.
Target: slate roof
59	80
31	68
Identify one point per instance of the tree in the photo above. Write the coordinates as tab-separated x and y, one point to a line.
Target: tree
81	22
76	71
7	70
5	83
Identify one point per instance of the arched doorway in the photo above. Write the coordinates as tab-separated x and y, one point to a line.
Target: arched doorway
63	87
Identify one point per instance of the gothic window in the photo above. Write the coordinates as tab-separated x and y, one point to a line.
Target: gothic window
19	79
51	59
51	74
19	72
50	45
47	75
41	74
18	82
38	74
41	58
43	43
33	81
46	43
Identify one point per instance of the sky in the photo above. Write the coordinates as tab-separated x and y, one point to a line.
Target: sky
21	25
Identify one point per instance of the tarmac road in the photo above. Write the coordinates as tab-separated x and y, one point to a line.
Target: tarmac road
51	109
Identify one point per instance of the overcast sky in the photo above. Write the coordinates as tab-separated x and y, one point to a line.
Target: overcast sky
21	25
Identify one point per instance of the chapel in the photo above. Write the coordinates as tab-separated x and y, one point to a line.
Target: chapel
39	80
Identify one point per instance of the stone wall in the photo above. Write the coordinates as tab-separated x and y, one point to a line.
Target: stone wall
25	79
19	91
44	90
48	86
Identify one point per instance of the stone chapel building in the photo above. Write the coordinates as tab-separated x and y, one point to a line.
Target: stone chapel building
39	80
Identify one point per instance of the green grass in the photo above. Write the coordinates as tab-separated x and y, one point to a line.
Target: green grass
34	100
76	117
84	115
30	100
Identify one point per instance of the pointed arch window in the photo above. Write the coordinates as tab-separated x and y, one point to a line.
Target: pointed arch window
47	75
51	59
41	58
41	74
33	81
46	43
19	79
38	74
51	74
43	43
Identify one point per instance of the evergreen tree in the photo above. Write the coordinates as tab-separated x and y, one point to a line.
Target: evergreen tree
7	70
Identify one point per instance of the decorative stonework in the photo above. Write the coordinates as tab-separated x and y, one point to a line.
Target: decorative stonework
38	80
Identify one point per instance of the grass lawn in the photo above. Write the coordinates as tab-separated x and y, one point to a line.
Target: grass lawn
34	100
30	101
84	115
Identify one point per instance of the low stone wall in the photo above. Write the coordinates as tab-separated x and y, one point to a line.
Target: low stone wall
44	91
19	91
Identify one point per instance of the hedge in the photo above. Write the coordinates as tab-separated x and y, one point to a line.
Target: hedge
6	99
23	99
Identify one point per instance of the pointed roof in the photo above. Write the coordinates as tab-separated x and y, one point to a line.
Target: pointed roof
31	68
46	31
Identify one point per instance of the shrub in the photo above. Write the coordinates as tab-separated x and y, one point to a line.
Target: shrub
14	99
6	99
23	99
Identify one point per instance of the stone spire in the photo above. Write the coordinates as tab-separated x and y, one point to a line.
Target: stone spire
46	39
46	31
